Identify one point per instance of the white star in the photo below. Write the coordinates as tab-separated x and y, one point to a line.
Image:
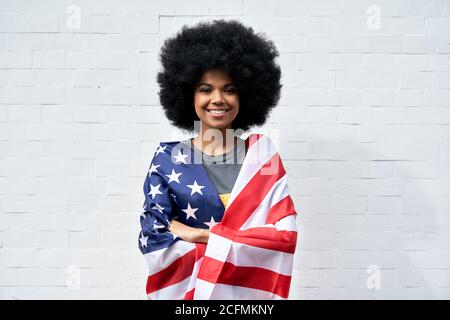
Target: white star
195	188
180	157
154	190
174	176
158	207
174	197
190	212
160	150
153	169
211	223
158	226
143	240
143	214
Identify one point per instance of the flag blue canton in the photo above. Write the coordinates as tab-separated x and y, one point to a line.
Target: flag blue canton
176	187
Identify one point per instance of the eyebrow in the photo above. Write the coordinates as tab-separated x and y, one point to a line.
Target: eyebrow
210	85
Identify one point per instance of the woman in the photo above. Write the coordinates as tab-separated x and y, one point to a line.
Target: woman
218	221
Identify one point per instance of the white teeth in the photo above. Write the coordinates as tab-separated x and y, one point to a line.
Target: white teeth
216	112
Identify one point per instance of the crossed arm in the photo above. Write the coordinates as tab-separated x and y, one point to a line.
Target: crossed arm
189	234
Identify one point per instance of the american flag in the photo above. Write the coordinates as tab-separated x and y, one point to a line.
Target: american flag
250	251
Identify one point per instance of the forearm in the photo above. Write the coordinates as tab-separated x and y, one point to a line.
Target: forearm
203	235
189	234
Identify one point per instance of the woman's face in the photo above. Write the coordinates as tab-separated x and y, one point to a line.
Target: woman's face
216	91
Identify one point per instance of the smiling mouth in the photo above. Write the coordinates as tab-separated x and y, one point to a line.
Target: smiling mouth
217	112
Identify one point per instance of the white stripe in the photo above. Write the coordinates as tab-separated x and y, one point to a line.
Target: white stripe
257	155
193	281
218	247
278	192
229	292
176	291
160	259
249	256
288	223
203	290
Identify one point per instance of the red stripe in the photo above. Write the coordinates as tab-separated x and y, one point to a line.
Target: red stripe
261	237
189	295
250	277
251	139
252	195
280	210
179	270
200	249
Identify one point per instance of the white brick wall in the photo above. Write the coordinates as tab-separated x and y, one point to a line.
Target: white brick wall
363	131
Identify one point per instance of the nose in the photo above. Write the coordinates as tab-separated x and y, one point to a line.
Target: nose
217	97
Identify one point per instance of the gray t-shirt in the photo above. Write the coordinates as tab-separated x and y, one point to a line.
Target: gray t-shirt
223	169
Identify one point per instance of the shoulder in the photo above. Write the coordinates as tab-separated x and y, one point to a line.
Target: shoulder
171	151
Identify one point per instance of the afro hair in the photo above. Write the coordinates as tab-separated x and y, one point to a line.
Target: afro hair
247	57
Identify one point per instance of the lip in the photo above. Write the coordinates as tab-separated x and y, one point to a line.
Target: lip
217	115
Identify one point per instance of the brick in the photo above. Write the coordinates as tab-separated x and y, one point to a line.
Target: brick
51	203
121	186
346	97
233	7
441	80
48	77
15	59
410	97
395	8
84	240
321	43
438	98
408	25
89	42
349	205
291	8
437	26
18	203
416	80
142	23
378	97
28	23
425	8
147	42
381	61
24	113
254	7
411	62
386	44
444	44
438	62
325	8
18	77
354	44
318	61
384	205
19	239
317	79
49	59
289	43
419	44
346	61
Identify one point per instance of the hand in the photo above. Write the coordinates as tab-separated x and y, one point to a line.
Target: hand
187	233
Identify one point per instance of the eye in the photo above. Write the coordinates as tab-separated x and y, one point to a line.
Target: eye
205	90
231	90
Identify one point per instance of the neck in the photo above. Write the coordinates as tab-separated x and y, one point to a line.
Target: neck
213	142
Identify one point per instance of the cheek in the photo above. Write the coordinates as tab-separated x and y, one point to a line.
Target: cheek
200	100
